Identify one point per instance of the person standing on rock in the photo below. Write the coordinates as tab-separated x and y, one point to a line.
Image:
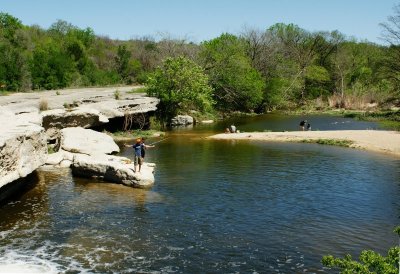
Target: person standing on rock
139	148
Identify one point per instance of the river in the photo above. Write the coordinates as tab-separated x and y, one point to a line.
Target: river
216	207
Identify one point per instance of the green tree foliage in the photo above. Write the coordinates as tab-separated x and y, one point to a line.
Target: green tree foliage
317	80
283	66
51	67
181	85
12	67
370	262
297	54
237	85
14	71
391	33
122	61
9	26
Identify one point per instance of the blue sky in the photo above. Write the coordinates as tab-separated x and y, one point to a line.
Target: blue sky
199	20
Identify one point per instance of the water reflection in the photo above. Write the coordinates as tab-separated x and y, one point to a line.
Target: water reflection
216	207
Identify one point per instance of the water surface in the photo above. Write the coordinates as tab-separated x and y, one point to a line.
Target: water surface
216	207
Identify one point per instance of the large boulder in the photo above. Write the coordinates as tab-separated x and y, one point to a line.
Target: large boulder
87	141
182	120
23	146
85	151
113	169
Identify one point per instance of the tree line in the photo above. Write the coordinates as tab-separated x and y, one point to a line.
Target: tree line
281	67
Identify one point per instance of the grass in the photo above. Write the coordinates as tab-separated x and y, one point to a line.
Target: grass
392	125
138	90
117	94
388	119
5	93
43	104
330	142
50	149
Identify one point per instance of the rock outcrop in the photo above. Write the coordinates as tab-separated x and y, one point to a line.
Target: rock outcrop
87	153
85	108
182	120
61	118
25	117
23	146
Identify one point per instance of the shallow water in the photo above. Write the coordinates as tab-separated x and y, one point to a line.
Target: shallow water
216	207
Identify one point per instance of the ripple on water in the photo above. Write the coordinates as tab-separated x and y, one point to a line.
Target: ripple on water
236	208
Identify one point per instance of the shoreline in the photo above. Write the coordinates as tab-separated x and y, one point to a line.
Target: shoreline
387	142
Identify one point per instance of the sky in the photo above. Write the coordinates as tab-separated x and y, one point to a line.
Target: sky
200	20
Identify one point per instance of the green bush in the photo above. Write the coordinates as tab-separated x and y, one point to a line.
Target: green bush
370	262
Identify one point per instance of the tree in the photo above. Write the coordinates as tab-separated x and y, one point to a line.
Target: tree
298	50
391	34
13	67
9	25
237	85
51	67
181	85
122	60
14	72
370	261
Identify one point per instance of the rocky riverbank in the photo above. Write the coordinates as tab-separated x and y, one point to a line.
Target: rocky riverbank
32	120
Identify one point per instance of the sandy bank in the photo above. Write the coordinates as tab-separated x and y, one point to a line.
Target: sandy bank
375	140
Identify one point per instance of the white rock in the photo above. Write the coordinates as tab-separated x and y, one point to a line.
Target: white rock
87	141
67	155
23	147
65	163
182	120
54	158
113	169
79	117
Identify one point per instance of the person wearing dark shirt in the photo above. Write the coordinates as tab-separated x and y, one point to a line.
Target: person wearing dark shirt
137	147
303	124
144	147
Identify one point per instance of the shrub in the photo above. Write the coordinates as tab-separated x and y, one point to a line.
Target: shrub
43	104
117	95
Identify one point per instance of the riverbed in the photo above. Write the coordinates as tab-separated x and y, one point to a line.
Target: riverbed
216	207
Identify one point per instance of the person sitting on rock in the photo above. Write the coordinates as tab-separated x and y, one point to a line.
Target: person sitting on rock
232	128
